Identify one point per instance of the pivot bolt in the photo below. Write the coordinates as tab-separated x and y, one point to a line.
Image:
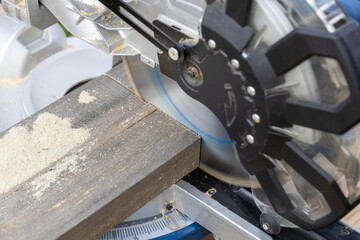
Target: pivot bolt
250	139
212	44
235	63
256	118
251	91
174	54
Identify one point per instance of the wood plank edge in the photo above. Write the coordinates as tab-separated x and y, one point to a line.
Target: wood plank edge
113	213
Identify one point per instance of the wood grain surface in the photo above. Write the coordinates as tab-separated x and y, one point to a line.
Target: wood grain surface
354	217
134	153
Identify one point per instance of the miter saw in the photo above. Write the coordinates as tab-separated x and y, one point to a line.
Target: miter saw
272	86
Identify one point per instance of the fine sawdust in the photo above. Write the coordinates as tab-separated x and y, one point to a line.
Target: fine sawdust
22	3
16	82
119	48
44	181
26	152
86	98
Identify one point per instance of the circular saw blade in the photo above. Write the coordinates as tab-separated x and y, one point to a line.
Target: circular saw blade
217	154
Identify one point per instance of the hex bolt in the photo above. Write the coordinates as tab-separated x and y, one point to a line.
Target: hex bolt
251	91
235	63
256	118
212	44
174	54
250	139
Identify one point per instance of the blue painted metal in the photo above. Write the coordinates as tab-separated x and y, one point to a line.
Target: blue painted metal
191	232
352	7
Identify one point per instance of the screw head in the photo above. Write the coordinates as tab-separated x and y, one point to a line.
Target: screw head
174	54
169	206
235	63
345	232
251	91
212	44
250	139
256	118
266	226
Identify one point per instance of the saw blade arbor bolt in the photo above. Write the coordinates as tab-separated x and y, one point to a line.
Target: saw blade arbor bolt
174	54
193	76
235	63
193	72
250	139
212	44
251	91
256	118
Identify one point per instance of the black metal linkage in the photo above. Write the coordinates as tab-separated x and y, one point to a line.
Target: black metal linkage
239	10
115	5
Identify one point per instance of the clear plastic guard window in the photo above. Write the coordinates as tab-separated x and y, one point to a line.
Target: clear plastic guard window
319	80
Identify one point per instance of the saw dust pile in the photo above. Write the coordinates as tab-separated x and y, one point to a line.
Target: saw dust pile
86	98
25	152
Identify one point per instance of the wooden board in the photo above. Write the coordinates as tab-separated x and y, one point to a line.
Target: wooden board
134	153
354	217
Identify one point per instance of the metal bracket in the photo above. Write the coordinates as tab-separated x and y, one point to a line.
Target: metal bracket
30	11
211	214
